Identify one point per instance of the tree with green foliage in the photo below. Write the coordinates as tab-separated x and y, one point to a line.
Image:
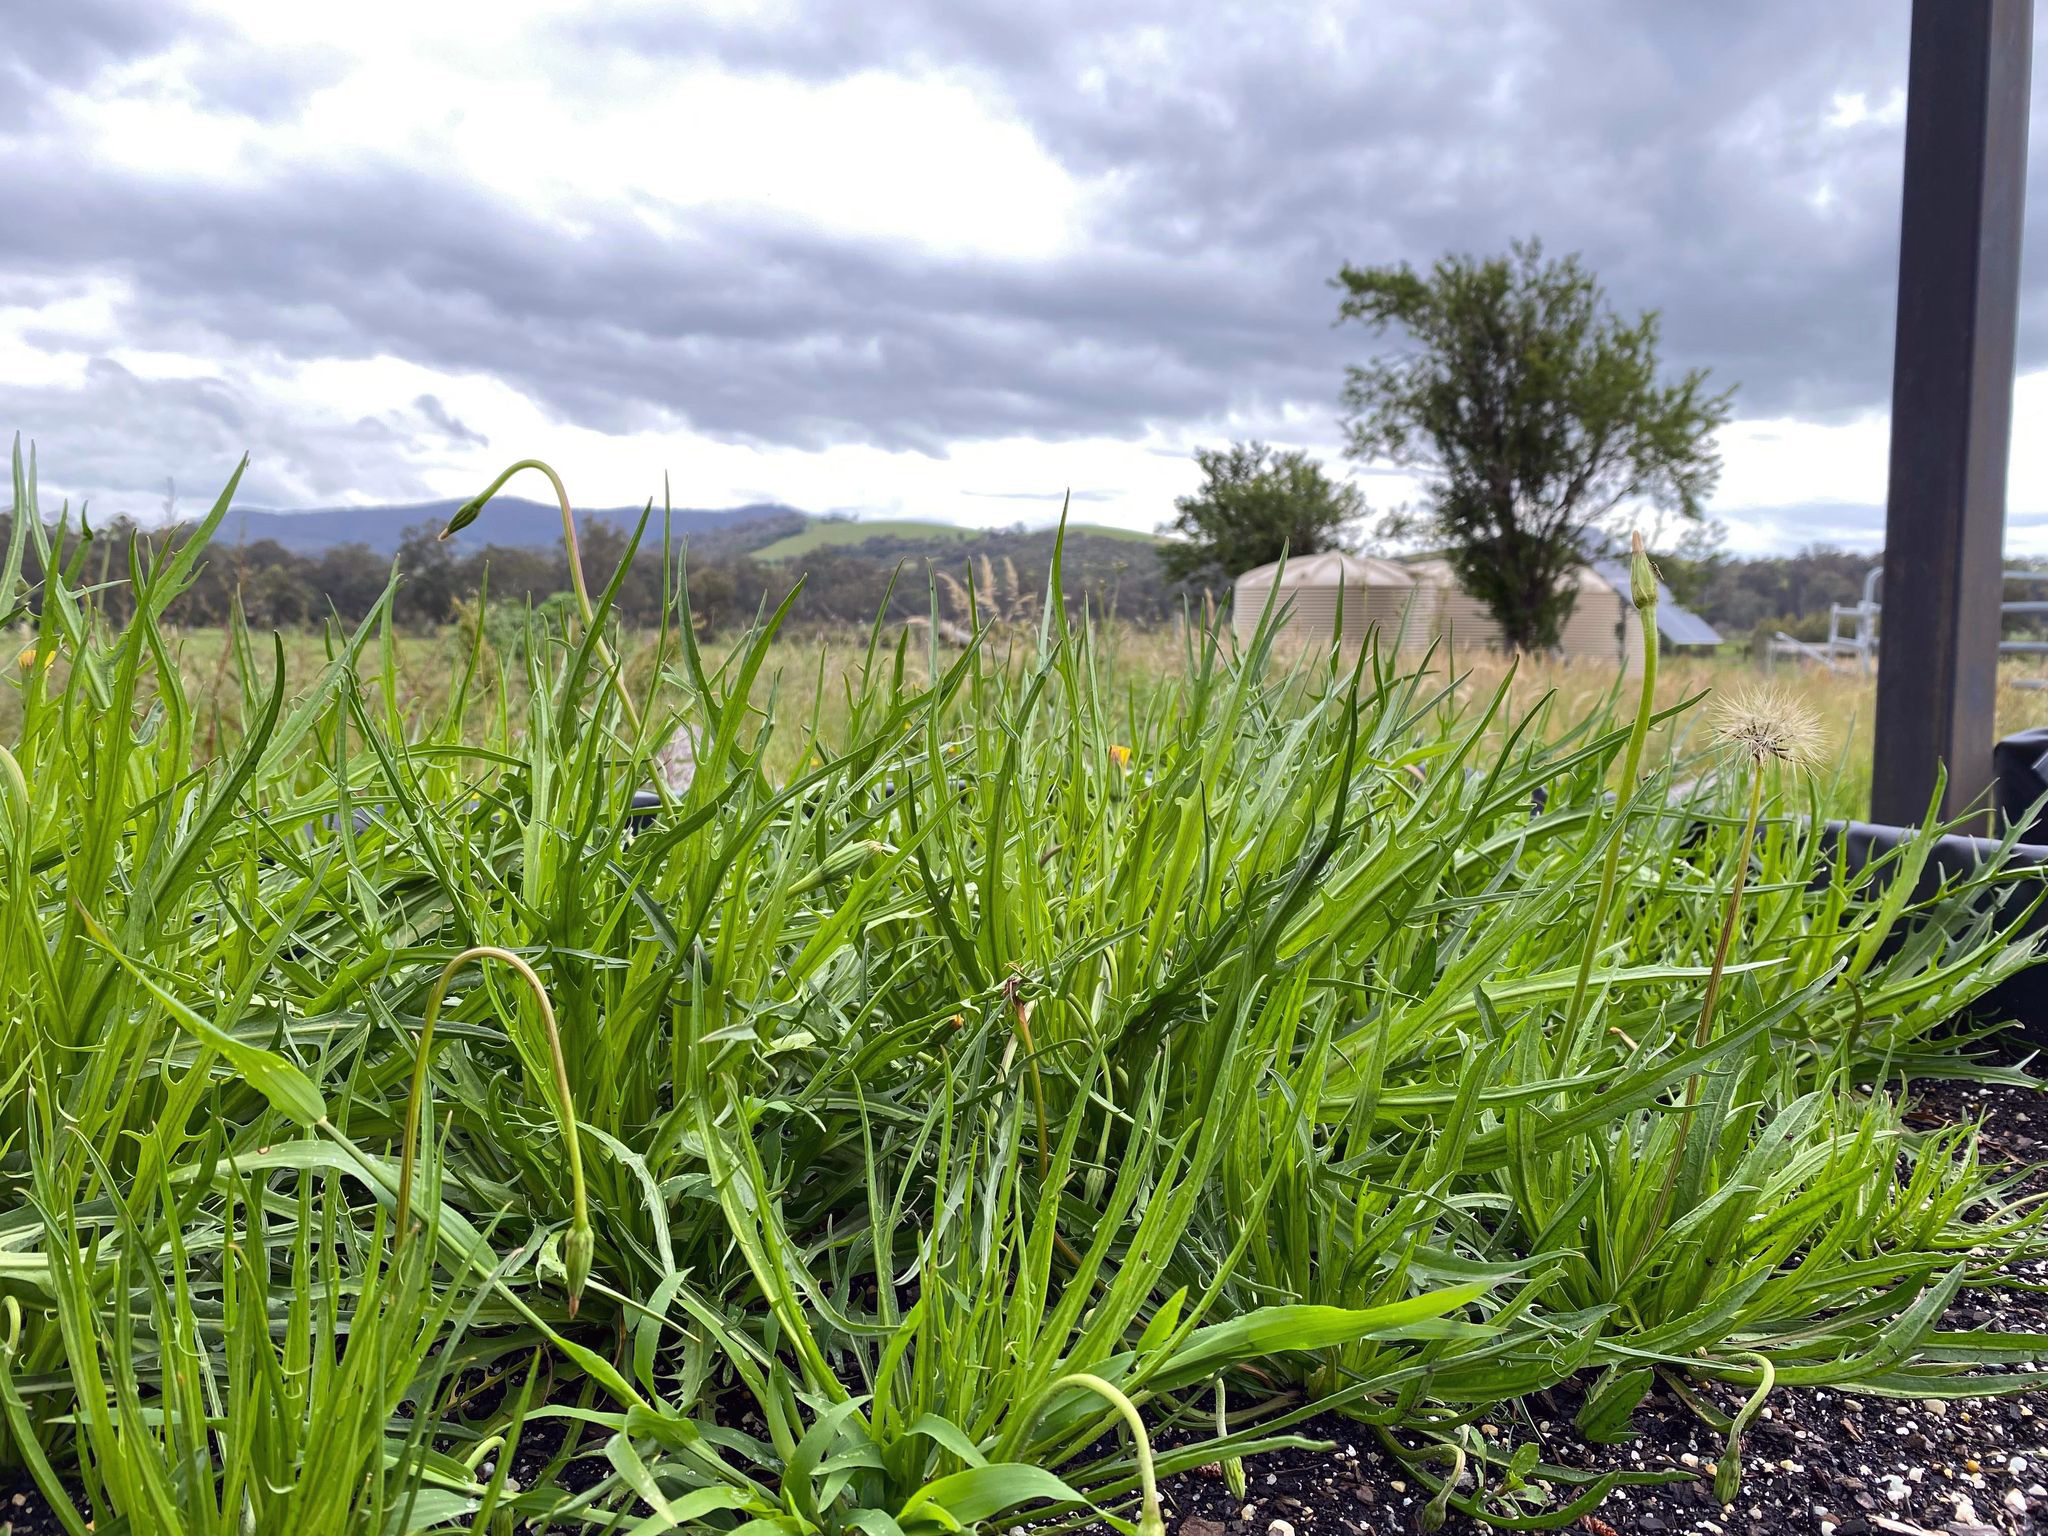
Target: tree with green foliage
1535	414
1256	503
426	596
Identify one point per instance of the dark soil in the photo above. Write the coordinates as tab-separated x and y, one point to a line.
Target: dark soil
1816	1461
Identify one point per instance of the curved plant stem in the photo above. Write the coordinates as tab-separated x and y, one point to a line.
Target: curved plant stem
1438	1509
1151	1522
1704	1031
467	514
580	1242
1012	989
1728	1470
1233	1466
1733	912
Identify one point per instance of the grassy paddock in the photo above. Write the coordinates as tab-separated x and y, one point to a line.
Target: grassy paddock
987	1058
427	666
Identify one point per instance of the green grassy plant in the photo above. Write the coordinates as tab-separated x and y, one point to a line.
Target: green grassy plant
992	1057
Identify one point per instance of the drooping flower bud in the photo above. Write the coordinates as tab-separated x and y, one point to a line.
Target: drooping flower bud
464	515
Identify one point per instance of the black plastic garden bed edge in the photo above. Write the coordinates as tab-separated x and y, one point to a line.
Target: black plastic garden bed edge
2022	998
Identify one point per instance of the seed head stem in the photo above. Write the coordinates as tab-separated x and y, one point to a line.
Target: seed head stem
1732	913
1643	592
1703	1032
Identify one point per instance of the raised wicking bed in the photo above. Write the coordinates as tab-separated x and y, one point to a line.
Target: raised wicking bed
1816	1460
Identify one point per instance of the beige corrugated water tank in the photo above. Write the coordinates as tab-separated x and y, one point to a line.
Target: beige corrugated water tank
1307	592
1457	618
1601	626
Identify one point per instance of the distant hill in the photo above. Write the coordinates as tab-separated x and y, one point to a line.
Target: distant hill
766	530
512	521
844	533
901	535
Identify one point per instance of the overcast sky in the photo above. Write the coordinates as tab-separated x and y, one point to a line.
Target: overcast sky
928	257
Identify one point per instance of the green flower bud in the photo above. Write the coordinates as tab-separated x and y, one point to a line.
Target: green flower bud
13	799
1642	577
1728	1474
465	514
841	860
577	1253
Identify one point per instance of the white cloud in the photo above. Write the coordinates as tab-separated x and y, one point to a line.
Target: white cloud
929	160
1853	109
1787	462
1777	473
85	305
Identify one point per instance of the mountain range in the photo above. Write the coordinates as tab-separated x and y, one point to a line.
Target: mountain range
512	521
770	530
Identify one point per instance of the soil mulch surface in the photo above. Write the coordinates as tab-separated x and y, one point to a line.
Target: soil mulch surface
1815	1461
1820	1462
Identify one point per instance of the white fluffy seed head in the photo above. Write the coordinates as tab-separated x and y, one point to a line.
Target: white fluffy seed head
1764	723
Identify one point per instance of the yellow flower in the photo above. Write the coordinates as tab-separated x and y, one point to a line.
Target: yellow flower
1120	754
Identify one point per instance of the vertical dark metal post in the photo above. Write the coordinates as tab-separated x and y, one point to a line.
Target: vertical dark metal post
1959	268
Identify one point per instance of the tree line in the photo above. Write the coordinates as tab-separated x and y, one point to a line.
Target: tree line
843	586
1538	422
278	588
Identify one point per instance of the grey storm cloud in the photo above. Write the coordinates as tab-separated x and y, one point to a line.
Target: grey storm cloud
70	43
437	416
1684	148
